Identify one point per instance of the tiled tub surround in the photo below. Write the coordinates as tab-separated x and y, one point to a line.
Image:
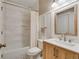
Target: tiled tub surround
16	31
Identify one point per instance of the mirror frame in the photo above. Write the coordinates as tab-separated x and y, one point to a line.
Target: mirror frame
75	20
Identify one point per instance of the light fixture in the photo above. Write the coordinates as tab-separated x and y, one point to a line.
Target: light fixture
62	1
54	3
58	2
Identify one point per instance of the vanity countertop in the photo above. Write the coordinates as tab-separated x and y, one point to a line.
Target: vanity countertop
70	46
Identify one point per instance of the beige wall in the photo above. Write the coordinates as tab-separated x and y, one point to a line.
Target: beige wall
44	6
26	28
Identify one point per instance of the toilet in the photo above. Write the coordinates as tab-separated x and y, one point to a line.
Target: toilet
34	51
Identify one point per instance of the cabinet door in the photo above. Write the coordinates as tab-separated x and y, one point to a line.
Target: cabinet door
49	52
60	53
76	56
71	55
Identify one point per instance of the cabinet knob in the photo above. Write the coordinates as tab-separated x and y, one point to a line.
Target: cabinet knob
2	33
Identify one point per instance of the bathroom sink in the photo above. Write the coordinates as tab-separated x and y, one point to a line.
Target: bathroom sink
62	42
65	43
68	44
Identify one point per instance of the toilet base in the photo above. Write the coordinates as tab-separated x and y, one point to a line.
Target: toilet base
36	57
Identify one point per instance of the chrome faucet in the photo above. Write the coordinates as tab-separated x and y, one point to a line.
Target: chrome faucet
70	41
64	37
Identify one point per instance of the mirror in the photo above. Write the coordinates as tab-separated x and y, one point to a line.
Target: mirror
66	21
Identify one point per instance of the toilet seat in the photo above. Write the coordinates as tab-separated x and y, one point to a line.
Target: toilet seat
33	51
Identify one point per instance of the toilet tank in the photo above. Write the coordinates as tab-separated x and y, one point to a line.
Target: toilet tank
40	43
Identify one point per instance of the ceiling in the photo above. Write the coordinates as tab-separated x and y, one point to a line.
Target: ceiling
44	5
27	3
33	4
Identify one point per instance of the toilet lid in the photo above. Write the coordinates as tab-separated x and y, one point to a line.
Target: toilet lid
34	50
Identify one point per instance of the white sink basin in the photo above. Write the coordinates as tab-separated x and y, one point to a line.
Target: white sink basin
63	42
70	44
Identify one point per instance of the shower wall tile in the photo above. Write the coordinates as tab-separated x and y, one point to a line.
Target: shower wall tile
17	27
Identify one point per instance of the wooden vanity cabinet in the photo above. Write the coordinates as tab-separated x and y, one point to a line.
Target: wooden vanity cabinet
53	52
48	51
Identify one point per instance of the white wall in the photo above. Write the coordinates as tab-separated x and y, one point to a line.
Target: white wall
34	28
45	21
61	7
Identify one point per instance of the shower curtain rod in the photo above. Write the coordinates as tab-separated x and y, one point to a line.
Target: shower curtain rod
14	4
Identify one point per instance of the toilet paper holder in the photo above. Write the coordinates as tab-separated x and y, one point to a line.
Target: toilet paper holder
2	45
